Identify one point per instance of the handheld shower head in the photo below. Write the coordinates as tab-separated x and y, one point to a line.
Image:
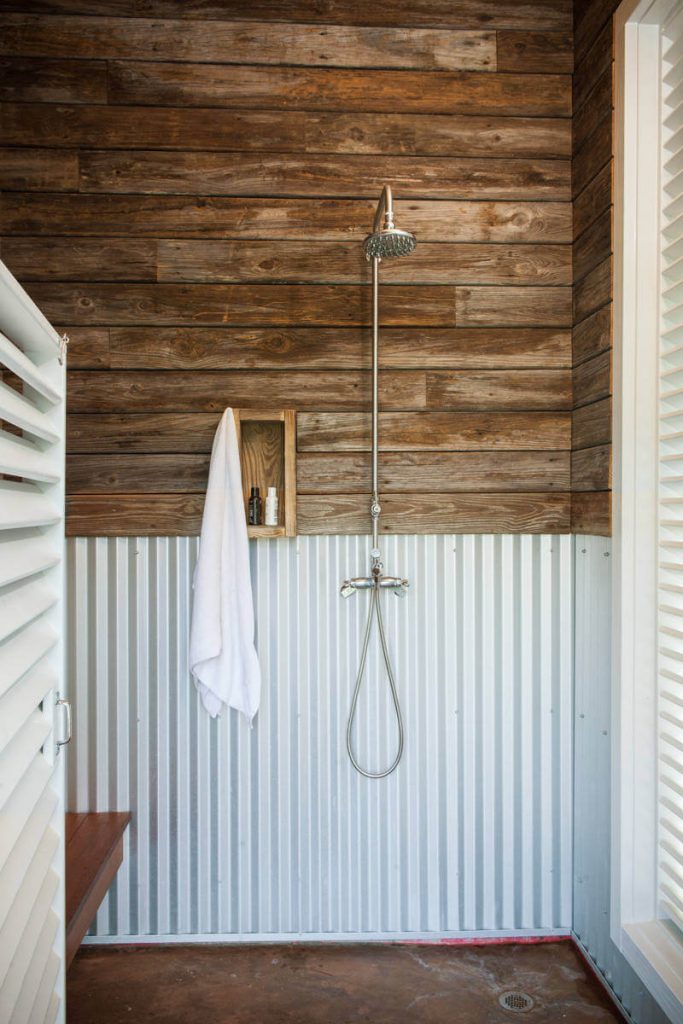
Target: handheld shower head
387	241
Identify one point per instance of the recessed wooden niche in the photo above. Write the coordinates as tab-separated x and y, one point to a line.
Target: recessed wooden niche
267	442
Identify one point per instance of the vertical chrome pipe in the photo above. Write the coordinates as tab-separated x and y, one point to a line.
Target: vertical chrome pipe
375	506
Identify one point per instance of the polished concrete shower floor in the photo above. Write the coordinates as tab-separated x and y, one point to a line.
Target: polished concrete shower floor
332	984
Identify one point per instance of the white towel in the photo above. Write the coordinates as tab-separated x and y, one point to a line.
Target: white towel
223	658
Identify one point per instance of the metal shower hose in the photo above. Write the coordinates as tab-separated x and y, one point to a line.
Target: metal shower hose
375	609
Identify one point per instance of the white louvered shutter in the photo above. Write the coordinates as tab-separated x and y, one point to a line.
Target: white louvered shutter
31	662
670	693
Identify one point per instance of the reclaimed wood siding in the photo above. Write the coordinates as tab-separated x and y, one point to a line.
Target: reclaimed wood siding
591	468
186	193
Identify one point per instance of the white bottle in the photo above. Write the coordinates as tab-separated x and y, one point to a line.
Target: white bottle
271	507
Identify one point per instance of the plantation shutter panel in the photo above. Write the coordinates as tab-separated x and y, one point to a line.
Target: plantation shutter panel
31	657
670	676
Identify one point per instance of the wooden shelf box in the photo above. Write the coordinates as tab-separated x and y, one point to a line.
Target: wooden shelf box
267	442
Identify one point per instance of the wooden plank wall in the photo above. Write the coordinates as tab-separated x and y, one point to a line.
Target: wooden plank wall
186	193
592	261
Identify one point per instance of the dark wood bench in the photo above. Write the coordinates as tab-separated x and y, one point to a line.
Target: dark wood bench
94	851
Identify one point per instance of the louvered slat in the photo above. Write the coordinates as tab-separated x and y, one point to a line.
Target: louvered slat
24	557
670	620
19	702
53	1006
22	603
22	506
41	1004
21	652
32	836
38	862
31	628
21	804
14	359
31	955
22	413
20	458
20	751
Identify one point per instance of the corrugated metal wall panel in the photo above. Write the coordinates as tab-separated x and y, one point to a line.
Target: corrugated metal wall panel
270	832
592	775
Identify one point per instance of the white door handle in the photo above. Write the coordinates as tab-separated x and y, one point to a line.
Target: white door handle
64	703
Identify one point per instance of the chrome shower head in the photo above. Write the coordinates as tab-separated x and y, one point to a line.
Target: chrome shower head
388	241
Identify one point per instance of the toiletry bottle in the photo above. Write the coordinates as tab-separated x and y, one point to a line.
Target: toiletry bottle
255	505
271	507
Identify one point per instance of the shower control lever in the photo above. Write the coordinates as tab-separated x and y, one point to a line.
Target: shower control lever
396	583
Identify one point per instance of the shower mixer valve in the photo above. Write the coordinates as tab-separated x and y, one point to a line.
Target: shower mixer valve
396	583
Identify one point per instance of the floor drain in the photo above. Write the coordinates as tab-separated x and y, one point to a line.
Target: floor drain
516	1002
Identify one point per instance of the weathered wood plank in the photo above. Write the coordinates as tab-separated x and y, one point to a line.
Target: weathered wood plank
315	219
592	202
597	60
500	389
120	515
88	347
52	81
420	92
592	425
84	259
513	307
240	42
593	379
537	52
450	472
180	514
285	261
40	170
437	513
163	433
592	469
595	108
335	348
447	472
593	335
593	291
593	245
63	127
547	15
345	263
335	176
211	391
589	20
137	474
592	513
435	431
592	157
327	432
200	304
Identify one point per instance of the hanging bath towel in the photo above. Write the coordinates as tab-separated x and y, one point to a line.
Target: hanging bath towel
223	658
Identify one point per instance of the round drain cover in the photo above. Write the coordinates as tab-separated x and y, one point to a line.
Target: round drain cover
516	1002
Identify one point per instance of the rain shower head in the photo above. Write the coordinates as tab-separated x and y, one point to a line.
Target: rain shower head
388	241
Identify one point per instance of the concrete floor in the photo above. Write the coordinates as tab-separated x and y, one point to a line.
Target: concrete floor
331	984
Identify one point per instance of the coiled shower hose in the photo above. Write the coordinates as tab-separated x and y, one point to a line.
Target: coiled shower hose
375	610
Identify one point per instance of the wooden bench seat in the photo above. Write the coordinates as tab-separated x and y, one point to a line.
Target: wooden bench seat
94	851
